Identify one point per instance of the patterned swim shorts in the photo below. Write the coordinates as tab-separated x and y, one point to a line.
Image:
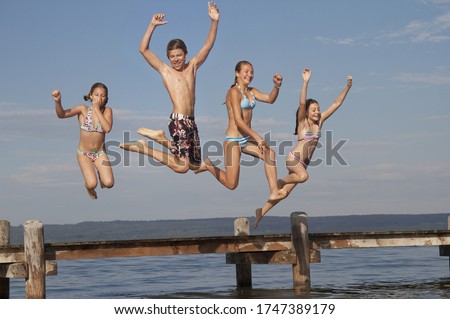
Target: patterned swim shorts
186	142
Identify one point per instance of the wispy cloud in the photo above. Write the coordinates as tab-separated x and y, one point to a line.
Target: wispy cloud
47	175
25	113
438	77
419	31
343	41
388	172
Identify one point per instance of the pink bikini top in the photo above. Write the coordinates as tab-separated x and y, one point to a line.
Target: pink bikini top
309	136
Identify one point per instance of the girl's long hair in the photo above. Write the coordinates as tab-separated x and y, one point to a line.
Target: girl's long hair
308	103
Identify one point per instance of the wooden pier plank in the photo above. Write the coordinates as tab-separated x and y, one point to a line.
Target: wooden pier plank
227	244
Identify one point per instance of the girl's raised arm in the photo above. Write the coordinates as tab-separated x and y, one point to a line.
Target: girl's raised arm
60	111
339	100
306	74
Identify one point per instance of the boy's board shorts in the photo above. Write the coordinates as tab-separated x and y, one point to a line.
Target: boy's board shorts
186	142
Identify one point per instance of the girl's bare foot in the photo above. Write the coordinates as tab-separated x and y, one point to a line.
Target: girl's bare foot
277	195
92	193
204	166
280	183
134	146
259	216
155	135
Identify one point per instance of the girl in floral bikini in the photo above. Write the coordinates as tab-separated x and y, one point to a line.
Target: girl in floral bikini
309	121
95	122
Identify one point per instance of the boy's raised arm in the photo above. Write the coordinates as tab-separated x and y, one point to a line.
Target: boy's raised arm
144	48
201	56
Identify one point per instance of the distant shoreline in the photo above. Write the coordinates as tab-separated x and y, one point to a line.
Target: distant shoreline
184	228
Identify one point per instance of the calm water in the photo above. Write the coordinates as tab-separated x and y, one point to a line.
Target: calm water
413	272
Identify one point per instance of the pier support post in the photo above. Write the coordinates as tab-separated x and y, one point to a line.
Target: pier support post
300	242
4	241
34	257
244	270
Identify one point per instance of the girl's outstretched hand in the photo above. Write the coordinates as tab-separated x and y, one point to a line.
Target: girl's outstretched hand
213	11
306	74
56	95
277	79
158	19
349	81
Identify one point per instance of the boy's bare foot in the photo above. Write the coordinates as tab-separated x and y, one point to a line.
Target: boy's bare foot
92	193
134	146
204	166
277	195
259	216
155	135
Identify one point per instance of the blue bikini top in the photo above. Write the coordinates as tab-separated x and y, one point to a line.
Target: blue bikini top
245	103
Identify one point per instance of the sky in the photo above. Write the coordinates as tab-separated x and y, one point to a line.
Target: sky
385	151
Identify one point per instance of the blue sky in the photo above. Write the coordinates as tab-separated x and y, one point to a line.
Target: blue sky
395	120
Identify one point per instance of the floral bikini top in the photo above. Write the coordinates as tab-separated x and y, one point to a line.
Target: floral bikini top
88	125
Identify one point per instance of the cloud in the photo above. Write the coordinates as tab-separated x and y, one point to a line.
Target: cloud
389	172
436	78
47	175
419	31
344	41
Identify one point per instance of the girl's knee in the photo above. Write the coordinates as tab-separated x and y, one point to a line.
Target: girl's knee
109	183
232	185
91	184
303	177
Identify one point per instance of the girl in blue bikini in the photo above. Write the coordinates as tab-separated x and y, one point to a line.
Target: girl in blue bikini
308	125
95	122
240	137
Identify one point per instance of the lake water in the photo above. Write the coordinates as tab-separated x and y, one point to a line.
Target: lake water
408	272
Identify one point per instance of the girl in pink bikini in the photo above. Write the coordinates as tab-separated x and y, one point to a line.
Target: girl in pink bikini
308	125
95	122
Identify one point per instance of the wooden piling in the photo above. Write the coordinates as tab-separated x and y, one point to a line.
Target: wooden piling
243	270
4	241
300	243
34	257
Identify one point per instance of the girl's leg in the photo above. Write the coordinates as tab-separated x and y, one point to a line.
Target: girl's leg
269	166
261	212
232	157
105	173
178	165
88	171
297	172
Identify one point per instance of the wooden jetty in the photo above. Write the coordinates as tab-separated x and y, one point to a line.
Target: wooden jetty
34	260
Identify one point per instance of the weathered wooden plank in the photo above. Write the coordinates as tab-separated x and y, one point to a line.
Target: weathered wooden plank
19	270
167	247
16	270
227	244
270	257
380	239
